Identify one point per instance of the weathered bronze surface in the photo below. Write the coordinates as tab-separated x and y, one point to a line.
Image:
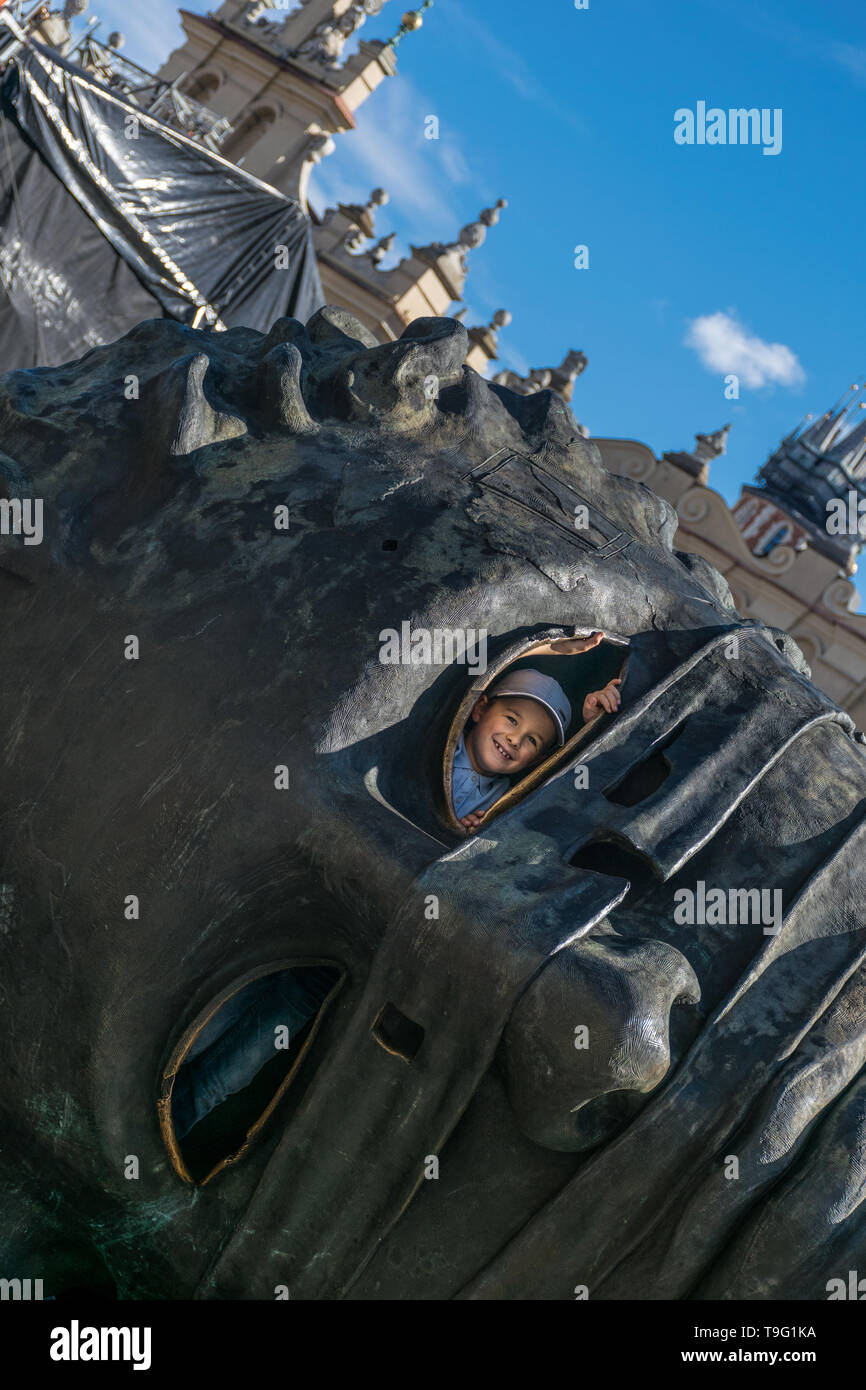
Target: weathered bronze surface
416	492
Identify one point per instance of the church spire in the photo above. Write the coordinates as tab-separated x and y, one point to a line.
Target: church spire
449	261
821	462
850	449
822	432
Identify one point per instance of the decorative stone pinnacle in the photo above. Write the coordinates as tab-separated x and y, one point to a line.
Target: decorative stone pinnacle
474	233
710	446
412	20
380	250
560	379
485	336
326	43
363	217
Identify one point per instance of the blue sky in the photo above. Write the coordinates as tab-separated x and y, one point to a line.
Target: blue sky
702	258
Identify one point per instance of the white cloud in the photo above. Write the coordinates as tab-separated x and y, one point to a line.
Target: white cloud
849	56
454	162
510	66
724	345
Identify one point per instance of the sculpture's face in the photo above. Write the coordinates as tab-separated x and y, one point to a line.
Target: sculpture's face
211	772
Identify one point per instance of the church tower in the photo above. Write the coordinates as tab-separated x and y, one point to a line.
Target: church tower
812	490
275	69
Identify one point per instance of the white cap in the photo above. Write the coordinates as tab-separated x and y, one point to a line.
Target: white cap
532	685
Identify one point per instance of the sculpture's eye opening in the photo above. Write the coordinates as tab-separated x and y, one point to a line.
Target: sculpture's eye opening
578	675
646	777
397	1033
607	856
236	1061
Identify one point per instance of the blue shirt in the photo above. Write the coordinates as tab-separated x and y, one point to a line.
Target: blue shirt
472	790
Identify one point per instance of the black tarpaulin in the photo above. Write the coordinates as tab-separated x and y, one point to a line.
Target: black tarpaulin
108	216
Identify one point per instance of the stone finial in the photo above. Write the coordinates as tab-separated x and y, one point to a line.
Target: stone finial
412	20
474	233
449	261
485	337
259	9
560	379
326	43
537	380
710	446
271	28
362	218
378	252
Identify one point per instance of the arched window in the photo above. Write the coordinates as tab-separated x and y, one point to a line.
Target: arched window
248	133
202	86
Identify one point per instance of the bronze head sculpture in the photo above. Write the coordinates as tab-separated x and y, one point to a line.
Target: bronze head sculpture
636	992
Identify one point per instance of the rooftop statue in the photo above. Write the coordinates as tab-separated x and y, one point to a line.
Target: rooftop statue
611	1045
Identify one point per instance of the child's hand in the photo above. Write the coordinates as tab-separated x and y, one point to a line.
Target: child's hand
571	646
608	699
472	821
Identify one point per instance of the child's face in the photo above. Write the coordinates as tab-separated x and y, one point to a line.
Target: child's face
508	734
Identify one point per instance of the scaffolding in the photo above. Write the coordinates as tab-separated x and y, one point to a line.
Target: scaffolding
161	99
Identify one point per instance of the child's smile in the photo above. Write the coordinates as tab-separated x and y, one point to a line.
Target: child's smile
501	749
508	734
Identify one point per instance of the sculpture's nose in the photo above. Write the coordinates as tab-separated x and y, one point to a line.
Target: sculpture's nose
474	929
595	1020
